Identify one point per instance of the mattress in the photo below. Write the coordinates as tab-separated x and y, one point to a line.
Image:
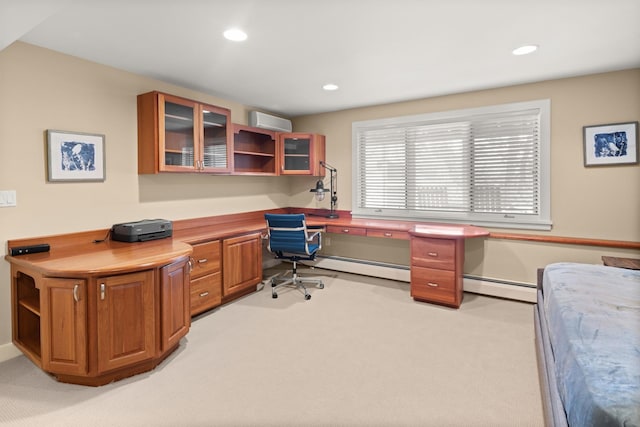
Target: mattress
593	318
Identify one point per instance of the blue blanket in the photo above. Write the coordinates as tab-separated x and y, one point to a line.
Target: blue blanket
593	313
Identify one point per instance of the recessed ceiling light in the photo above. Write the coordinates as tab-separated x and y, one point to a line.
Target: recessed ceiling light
235	34
330	86
524	50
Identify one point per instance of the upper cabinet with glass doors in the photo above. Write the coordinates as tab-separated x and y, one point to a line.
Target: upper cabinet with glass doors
301	153
180	135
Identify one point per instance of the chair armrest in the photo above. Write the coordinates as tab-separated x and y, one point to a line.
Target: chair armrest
317	234
313	236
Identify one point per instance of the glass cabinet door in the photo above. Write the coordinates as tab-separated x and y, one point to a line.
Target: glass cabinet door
297	154
215	133
179	135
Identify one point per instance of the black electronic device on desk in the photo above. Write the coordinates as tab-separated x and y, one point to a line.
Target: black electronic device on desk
142	231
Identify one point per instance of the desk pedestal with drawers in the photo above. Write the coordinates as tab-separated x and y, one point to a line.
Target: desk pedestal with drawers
437	260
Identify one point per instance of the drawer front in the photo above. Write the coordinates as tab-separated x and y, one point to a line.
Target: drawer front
346	230
205	258
434	285
206	292
388	234
435	253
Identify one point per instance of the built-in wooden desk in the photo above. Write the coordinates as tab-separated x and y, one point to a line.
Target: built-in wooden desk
73	307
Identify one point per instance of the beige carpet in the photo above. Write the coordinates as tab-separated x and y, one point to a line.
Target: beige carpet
361	352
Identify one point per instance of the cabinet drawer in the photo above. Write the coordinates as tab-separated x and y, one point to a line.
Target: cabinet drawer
435	253
388	234
206	292
346	230
433	285
205	258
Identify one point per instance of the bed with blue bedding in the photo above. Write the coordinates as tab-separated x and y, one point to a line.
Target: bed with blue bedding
587	321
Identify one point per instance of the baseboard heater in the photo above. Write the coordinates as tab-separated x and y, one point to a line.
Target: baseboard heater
476	284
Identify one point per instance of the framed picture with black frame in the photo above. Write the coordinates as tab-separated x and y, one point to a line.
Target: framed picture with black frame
611	144
75	156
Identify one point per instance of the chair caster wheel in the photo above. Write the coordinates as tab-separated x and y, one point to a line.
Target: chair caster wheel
321	286
307	296
274	295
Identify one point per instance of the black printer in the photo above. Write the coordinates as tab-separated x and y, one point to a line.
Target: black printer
141	231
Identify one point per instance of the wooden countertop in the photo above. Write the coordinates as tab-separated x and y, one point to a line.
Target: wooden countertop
107	257
448	231
86	253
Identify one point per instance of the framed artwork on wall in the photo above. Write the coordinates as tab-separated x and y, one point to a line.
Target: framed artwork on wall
611	144
75	156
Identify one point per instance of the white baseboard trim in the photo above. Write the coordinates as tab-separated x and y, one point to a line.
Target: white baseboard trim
520	292
502	290
365	268
8	351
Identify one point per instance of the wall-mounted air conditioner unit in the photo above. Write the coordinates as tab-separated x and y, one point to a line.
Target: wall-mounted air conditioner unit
267	121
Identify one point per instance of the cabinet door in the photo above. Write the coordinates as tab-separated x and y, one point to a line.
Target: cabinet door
216	136
242	263
179	134
63	326
301	154
125	319
174	301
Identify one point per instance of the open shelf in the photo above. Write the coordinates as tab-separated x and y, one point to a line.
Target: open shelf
27	314
254	151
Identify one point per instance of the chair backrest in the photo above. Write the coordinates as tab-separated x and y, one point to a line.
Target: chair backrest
288	233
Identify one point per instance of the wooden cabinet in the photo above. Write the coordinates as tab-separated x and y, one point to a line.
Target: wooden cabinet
206	277
95	330
436	270
301	153
180	135
242	263
254	151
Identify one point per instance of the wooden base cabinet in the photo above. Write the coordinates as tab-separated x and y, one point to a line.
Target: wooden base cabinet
437	261
95	330
436	270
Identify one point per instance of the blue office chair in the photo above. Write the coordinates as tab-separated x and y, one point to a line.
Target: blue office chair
289	239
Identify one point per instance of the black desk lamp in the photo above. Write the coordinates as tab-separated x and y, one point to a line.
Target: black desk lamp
319	190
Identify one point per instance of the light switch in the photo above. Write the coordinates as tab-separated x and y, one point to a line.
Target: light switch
8	198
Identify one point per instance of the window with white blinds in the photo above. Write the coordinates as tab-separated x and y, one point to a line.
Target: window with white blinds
486	166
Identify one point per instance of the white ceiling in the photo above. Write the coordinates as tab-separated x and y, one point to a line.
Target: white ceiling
376	51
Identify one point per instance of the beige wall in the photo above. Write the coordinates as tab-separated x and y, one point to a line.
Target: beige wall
600	203
41	89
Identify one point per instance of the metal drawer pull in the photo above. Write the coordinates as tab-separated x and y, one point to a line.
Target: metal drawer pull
345	230
76	298
388	234
203	260
433	285
432	253
102	290
204	294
